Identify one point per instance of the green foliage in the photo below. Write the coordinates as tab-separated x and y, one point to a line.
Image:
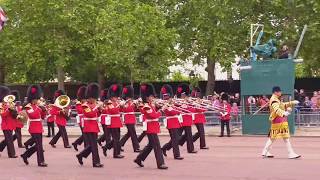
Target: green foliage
178	76
137	40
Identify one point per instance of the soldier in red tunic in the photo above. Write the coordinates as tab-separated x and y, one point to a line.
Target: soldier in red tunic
183	92
50	121
151	126
106	136
8	115
80	101
129	118
199	120
19	124
35	114
225	115
61	117
171	122
115	122
91	128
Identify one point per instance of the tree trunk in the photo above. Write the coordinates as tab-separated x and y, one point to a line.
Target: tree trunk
101	77
61	77
2	73
211	76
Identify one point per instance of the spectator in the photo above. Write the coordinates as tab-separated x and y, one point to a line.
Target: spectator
307	104
235	112
252	104
314	100
236	99
215	101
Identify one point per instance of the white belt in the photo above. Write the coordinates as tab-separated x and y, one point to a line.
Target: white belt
145	123
32	120
88	119
128	113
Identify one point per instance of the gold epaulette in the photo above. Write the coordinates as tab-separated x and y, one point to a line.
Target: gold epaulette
28	106
78	102
146	107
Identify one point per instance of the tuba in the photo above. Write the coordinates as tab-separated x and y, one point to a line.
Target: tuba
62	101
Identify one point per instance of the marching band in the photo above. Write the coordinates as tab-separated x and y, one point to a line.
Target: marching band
113	108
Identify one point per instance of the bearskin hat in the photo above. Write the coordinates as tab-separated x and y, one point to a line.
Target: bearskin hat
81	93
166	91
104	95
34	92
16	94
196	92
58	93
147	90
114	90
4	91
182	89
127	92
92	91
225	97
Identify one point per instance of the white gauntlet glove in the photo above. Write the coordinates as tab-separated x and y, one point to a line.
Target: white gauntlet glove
295	102
286	113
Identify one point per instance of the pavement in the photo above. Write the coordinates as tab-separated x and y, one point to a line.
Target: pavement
302	131
229	158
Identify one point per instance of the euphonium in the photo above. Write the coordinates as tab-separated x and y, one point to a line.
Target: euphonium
62	101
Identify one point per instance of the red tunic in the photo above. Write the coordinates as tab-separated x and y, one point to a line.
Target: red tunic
19	124
114	113
50	117
8	122
188	117
59	119
35	115
199	117
128	113
151	117
90	117
227	110
172	118
79	110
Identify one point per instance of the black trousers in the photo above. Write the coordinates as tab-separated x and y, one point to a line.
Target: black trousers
61	133
115	142
29	142
223	124
50	129
8	142
81	139
173	143
130	134
17	136
200	134
154	144
92	147
37	138
187	137
141	136
106	136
